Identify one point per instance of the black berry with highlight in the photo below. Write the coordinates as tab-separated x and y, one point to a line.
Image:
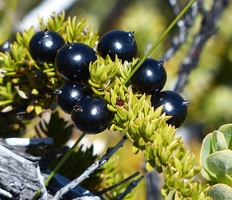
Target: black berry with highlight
150	77
44	45
73	59
91	115
118	42
69	93
173	105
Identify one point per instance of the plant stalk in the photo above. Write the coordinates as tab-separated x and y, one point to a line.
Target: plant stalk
159	40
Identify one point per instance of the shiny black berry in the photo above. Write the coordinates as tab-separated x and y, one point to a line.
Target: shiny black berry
44	45
173	105
91	115
118	42
69	93
73	59
150	77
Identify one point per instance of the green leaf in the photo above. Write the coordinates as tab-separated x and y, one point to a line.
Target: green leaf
154	149
218	141
206	150
227	131
149	130
77	31
164	155
141	142
172	146
220	162
149	167
6	62
133	130
135	149
38	109
220	192
129	137
18	52
98	92
177	164
113	97
171	195
57	128
122	113
55	22
96	85
24	38
157	137
224	178
111	108
5	103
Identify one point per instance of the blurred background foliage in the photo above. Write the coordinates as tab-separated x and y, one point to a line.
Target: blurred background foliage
209	89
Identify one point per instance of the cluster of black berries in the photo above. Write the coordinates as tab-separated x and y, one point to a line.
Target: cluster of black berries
150	78
88	111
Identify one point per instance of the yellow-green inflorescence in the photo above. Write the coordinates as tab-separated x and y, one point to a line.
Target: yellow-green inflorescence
146	127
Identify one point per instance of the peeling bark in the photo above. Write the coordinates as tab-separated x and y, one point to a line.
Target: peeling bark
19	177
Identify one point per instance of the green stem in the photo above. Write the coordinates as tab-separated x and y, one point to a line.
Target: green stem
59	165
159	40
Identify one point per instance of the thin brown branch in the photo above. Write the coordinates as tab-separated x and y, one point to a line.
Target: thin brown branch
207	29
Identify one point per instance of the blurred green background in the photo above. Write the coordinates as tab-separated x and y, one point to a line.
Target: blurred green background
209	89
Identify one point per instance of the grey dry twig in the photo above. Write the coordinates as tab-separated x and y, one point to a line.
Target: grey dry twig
110	151
184	26
207	29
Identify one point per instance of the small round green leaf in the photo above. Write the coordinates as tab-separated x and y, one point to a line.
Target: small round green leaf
220	192
224	178
220	162
227	131
206	150
219	142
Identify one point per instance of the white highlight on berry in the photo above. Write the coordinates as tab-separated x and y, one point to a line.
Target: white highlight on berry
149	73
49	43
168	106
94	111
77	57
118	45
74	94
